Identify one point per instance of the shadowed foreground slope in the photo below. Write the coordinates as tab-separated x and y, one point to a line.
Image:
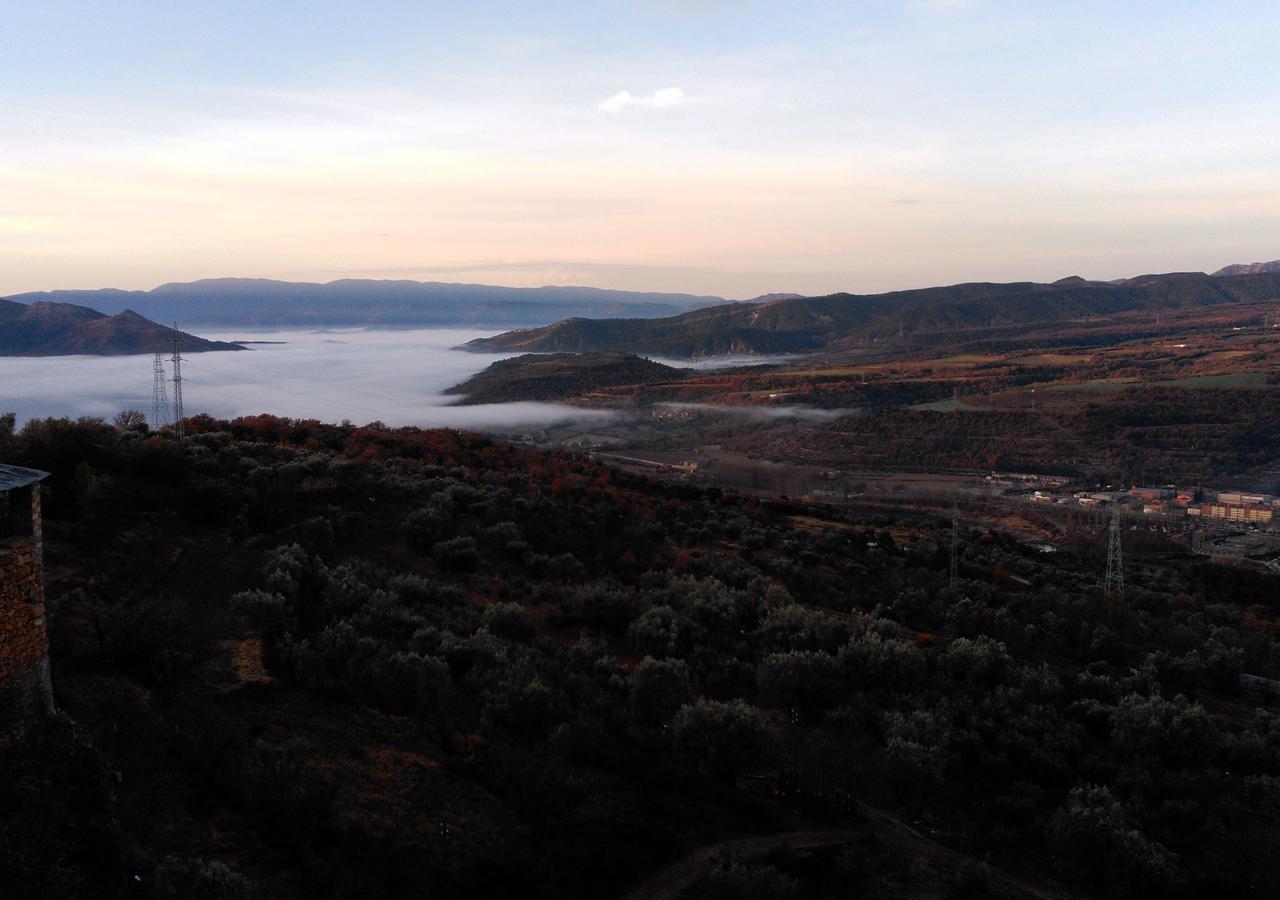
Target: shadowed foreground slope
329	661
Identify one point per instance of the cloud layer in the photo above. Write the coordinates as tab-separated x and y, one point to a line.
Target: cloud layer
660	99
396	377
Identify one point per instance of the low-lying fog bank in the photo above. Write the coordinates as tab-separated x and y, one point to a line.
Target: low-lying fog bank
396	377
711	363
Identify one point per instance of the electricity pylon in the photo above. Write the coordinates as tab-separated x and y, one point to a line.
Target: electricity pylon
1113	588
177	382
955	543
159	396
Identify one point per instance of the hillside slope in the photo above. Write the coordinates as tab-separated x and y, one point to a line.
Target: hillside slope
558	376
61	329
811	323
246	302
299	648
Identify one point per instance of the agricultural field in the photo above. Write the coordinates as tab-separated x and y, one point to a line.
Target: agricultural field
1191	399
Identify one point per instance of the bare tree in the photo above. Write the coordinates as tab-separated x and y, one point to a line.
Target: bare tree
130	420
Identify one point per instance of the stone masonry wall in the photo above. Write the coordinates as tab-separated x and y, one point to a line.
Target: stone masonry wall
25	691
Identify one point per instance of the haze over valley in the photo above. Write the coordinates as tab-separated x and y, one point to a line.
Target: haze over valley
397	377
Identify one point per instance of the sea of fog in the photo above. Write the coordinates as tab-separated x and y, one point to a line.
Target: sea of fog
363	375
396	377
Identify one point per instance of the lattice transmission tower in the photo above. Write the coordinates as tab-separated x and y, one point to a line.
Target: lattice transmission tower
955	543
176	359
1114	585
159	395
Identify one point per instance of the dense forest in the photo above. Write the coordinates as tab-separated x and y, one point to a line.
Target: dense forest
299	659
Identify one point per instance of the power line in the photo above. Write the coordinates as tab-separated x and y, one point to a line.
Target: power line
206	389
243	399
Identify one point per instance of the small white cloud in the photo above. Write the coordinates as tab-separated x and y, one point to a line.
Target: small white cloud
663	99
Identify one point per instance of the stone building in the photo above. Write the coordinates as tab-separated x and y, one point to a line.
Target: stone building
26	695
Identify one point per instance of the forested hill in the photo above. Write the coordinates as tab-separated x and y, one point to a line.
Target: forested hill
300	656
243	302
61	329
811	323
557	376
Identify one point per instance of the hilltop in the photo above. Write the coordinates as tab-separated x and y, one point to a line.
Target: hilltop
246	302
940	315
559	376
1258	268
62	329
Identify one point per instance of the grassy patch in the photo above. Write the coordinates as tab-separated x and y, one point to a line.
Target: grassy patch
951	404
1247	380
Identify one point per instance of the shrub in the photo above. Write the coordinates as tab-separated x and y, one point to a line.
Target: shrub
269	611
729	880
457	555
509	620
659	688
1092	835
720	737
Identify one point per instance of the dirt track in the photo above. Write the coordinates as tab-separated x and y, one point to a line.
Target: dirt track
669	882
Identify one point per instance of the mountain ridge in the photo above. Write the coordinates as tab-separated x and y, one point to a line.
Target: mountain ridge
266	302
45	328
814	323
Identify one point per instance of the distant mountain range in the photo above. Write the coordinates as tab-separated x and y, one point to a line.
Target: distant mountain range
60	329
1258	268
260	302
841	320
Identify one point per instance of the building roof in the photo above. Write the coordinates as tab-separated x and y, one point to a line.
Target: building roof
12	477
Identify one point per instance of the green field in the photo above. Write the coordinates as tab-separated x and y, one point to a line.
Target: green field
950	405
1251	380
1247	380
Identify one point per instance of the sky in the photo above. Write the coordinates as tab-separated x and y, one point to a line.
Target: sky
728	147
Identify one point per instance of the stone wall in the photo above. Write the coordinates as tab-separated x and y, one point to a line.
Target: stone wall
25	694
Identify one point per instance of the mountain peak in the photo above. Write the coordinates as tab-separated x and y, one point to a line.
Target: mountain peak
46	328
1258	268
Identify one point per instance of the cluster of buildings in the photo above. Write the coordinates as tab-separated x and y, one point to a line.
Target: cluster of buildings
1236	507
1226	507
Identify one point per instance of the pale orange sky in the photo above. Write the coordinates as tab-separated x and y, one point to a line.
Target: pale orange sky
731	148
